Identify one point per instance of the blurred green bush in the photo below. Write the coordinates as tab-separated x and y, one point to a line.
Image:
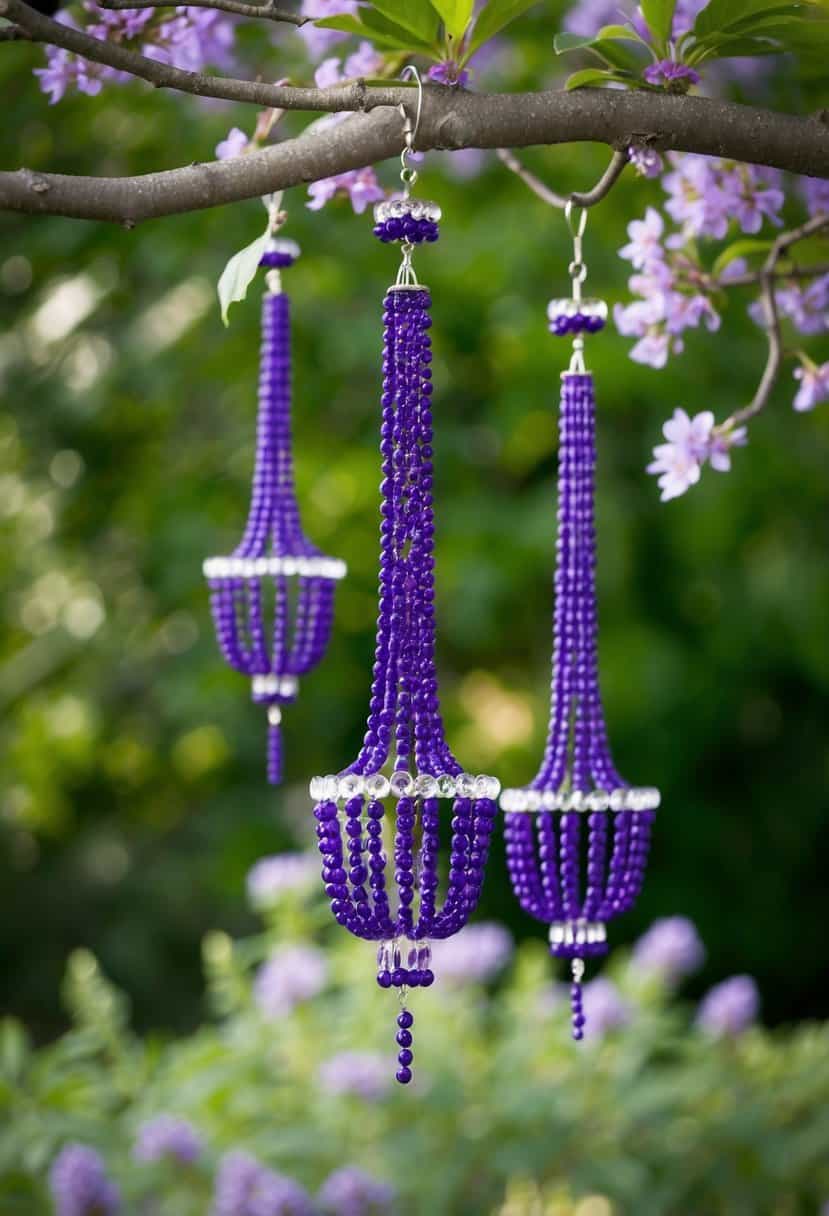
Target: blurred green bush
505	1114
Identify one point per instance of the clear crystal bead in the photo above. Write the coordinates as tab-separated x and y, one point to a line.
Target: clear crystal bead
331	787
316	788
617	799
533	798
424	957
411	958
426	786
351	785
446	785
401	784
377	786
384	957
465	785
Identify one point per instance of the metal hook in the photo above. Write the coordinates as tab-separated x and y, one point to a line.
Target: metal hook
577	228
410	133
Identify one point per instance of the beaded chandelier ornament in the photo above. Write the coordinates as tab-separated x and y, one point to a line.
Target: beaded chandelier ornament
272	599
577	837
359	841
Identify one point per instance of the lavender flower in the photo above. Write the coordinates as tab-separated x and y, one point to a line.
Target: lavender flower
318	41
291	975
705	194
645	245
814	385
233	144
671	948
730	1007
588	17
678	461
245	1187
449	73
271	877
474	955
815	193
807	308
352	1192
362	1073
675	77
361	186
604	1009
646	161
79	1184
194	38
168	1137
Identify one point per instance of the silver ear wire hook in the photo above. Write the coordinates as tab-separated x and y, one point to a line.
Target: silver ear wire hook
408	175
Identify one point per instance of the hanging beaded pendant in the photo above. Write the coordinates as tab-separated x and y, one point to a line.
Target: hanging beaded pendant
274	643
577	838
360	842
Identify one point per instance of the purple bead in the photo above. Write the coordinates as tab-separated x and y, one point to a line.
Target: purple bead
405	1057
404	1038
404	1075
405	1019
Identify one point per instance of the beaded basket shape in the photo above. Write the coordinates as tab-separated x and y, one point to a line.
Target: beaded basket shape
577	837
364	845
272	598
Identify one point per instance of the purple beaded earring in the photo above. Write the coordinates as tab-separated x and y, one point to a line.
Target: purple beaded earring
405	730
578	783
274	550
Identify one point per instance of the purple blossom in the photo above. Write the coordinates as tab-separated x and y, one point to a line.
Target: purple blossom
474	955
646	161
678	461
676	77
671	949
449	73
465	163
815	194
318	41
352	1192
291	975
168	1137
65	71
245	1187
233	144
645	245
806	307
730	1007
271	877
814	386
362	1073
79	1184
604	1008
720	445
194	38
705	194
361	186
365	61
117	25
685	14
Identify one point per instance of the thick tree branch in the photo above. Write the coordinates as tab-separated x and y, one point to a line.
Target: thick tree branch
768	274
452	118
13	33
588	199
267	11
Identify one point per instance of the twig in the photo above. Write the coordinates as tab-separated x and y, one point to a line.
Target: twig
769	300
269	11
587	199
13	33
752	277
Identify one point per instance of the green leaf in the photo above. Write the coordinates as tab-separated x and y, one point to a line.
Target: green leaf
493	17
740	249
239	273
618	55
416	16
594	76
377	29
562	43
455	14
718	16
623	33
659	15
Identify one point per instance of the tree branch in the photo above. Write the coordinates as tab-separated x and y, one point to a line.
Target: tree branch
752	277
269	11
451	118
588	199
13	33
768	296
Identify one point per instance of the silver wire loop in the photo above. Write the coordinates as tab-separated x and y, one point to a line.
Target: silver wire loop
576	228
408	175
406	276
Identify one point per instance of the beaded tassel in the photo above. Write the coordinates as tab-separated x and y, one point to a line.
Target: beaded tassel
274	555
357	837
577	838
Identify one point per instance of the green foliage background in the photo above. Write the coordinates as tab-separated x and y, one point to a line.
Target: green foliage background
133	798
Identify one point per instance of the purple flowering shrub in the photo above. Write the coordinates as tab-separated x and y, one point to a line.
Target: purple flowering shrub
286	1106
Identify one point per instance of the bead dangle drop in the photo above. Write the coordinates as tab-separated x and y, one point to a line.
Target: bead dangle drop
274	561
577	837
371	821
